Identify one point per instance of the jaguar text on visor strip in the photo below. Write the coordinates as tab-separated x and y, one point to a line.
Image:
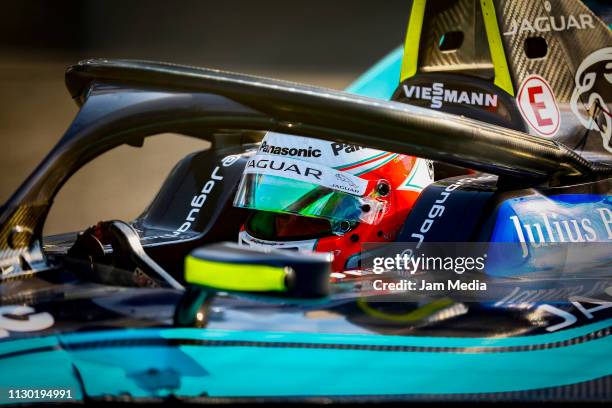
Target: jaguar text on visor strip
308	172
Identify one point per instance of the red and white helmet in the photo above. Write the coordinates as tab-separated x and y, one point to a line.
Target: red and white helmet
313	195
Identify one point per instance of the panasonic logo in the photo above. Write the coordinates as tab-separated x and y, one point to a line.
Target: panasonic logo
438	95
338	148
289	151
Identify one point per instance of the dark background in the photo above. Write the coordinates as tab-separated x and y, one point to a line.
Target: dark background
315	35
322	42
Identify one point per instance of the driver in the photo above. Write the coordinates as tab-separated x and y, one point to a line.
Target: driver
314	195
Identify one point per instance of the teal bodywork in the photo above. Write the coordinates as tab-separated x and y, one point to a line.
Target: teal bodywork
214	363
381	80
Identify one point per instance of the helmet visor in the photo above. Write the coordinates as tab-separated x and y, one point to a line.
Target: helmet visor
286	227
266	188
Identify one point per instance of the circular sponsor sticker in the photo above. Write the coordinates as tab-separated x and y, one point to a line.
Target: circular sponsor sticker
538	106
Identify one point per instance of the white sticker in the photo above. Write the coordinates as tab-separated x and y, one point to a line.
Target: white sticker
421	175
347	157
16	318
308	172
247	240
538	106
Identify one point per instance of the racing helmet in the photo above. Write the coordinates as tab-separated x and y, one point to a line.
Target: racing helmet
314	195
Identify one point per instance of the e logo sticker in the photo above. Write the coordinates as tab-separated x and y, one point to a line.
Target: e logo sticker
538	106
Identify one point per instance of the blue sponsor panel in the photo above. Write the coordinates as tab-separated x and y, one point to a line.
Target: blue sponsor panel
557	234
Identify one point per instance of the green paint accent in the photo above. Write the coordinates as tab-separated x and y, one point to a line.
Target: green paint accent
360	161
413	40
235	277
496	47
413	176
393	156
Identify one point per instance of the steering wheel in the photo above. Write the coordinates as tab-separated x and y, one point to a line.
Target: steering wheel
110	252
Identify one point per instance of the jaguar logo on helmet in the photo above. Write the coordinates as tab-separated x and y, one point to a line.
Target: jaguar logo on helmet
346	180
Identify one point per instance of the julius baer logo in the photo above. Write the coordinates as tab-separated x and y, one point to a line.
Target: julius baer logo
438	94
548	228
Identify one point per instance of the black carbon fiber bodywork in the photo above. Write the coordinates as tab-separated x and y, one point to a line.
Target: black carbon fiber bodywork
567	48
570	34
472	57
172	226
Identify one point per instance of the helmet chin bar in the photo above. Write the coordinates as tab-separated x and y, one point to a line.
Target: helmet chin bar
126	101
